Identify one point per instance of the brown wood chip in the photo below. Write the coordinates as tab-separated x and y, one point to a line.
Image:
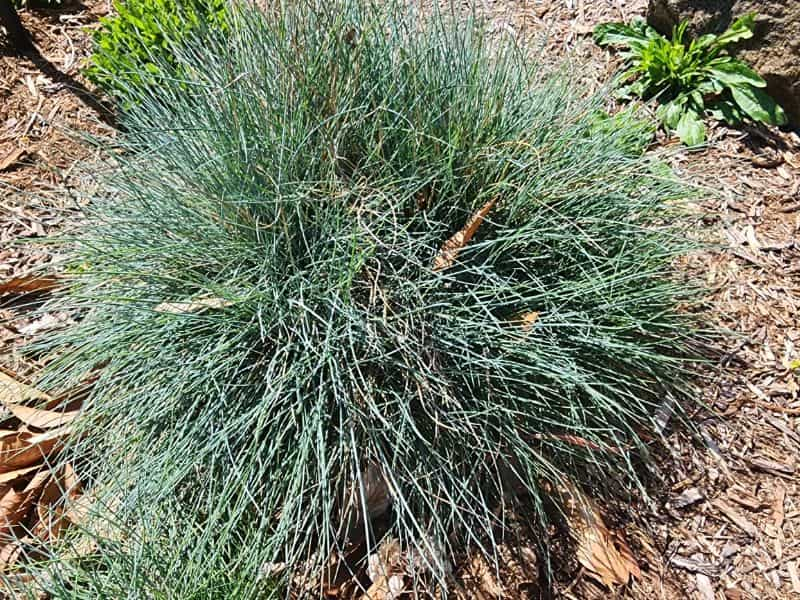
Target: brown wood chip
11	158
770	466
736	518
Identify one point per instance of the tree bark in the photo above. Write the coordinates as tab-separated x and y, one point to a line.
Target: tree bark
9	19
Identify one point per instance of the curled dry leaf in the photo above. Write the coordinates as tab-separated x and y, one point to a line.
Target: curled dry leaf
16	396
372	492
194	306
10	476
33	497
37	508
450	249
15	504
22	449
52	504
84	511
604	553
46	322
386	561
386	570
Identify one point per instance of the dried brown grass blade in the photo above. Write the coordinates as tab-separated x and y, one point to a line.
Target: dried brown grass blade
178	308
528	320
451	248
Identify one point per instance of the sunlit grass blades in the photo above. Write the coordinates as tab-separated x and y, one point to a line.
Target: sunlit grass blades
296	201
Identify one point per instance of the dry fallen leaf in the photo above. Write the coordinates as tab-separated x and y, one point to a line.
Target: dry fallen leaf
51	507
25	449
370	491
605	554
30	284
450	249
14	504
34	499
13	391
16	396
43	419
484	577
10	502
9	476
385	588
201	304
704	587
10	553
46	322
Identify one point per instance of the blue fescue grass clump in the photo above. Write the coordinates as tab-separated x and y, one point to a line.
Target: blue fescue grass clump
261	305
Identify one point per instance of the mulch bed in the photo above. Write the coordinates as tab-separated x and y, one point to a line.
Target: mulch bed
725	523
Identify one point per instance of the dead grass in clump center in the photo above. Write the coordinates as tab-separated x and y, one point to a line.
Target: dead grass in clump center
275	292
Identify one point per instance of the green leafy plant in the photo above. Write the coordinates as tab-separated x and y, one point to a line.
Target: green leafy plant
136	46
691	78
359	253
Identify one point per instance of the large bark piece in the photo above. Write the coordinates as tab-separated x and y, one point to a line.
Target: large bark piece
774	50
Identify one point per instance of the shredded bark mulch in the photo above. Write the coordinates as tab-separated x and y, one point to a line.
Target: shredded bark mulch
725	522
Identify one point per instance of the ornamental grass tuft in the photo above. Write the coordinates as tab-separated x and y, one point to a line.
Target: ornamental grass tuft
286	326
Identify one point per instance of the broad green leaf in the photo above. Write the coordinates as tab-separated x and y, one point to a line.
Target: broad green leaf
727	111
620	33
710	86
690	128
696	102
741	29
670	113
758	105
735	72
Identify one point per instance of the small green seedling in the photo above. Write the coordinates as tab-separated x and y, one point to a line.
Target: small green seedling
691	78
